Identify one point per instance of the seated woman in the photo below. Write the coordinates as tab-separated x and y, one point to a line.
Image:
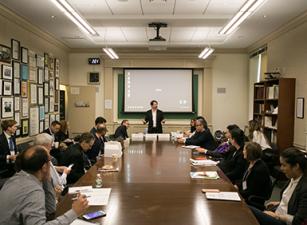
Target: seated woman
292	208
256	135
256	180
192	128
202	136
234	165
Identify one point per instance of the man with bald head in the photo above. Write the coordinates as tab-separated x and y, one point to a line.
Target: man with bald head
22	196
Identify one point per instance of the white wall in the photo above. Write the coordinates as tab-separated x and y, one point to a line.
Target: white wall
230	71
288	53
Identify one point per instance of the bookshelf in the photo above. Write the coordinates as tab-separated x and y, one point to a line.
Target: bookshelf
274	102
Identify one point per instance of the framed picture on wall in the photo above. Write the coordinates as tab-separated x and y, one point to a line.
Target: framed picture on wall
40	76
33	75
46	59
33	92
7	88
41	126
17	133
24	72
25	127
51	118
47	122
7	107
46	74
16	87
15	46
34	121
24	55
40	95
5	54
17	103
300	108
24	89
6	72
56	108
51	87
57	117
41	112
51	104
25	107
39	61
46	104
16	69
57	84
1	87
46	89
17	118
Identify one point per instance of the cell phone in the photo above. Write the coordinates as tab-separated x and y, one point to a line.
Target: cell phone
94	215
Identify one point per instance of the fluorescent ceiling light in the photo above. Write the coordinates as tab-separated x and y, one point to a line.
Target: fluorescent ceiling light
206	52
247	9
74	16
110	52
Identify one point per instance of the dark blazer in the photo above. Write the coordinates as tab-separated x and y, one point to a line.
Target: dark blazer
297	205
203	139
98	147
6	168
148	118
258	182
74	155
121	131
234	165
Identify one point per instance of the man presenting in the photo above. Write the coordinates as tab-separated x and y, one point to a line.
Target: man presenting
154	118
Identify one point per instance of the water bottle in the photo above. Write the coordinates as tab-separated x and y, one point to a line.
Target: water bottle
98	181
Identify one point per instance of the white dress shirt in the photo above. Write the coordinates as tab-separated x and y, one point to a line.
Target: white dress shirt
154	118
282	209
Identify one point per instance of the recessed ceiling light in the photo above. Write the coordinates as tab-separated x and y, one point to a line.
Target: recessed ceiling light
264	16
53	17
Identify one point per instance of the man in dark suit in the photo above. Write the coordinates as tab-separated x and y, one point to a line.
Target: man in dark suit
53	130
121	131
98	146
202	136
154	118
8	148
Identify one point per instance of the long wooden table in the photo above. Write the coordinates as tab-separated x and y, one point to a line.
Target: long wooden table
154	187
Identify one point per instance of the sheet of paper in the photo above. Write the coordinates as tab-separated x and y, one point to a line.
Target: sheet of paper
228	196
74	190
99	196
190	146
204	175
108	104
205	162
82	222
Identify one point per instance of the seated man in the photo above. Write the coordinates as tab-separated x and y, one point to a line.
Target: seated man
121	131
22	196
53	130
99	120
98	146
8	148
75	155
202	136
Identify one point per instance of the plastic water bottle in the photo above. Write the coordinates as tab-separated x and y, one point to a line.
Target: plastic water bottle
98	181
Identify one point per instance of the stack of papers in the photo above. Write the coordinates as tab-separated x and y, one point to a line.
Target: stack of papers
81	222
95	196
228	196
203	162
204	175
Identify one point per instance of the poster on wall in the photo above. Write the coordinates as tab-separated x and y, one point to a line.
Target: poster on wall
34	121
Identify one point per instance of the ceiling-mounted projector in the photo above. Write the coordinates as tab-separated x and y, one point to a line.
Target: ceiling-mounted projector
157	27
158	43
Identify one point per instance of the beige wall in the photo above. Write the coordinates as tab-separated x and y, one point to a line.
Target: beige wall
31	37
230	71
223	70
288	53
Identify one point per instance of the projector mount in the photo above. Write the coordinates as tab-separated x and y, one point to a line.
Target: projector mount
157	27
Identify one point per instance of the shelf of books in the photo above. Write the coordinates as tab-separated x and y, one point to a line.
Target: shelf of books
274	106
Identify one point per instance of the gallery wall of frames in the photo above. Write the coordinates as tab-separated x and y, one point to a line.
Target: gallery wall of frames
29	88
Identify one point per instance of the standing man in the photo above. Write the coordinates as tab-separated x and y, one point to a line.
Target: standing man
8	148
154	118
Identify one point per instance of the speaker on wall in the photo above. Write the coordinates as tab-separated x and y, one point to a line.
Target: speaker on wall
93	78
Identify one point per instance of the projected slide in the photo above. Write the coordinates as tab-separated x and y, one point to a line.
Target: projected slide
172	88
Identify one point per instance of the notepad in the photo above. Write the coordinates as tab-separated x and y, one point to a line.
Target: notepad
226	196
204	175
82	222
75	190
204	162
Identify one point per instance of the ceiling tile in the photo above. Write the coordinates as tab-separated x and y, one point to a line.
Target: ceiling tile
91	9
182	33
135	33
132	7
158	7
223	8
190	6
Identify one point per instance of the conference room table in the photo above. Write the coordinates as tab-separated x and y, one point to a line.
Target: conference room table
153	186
